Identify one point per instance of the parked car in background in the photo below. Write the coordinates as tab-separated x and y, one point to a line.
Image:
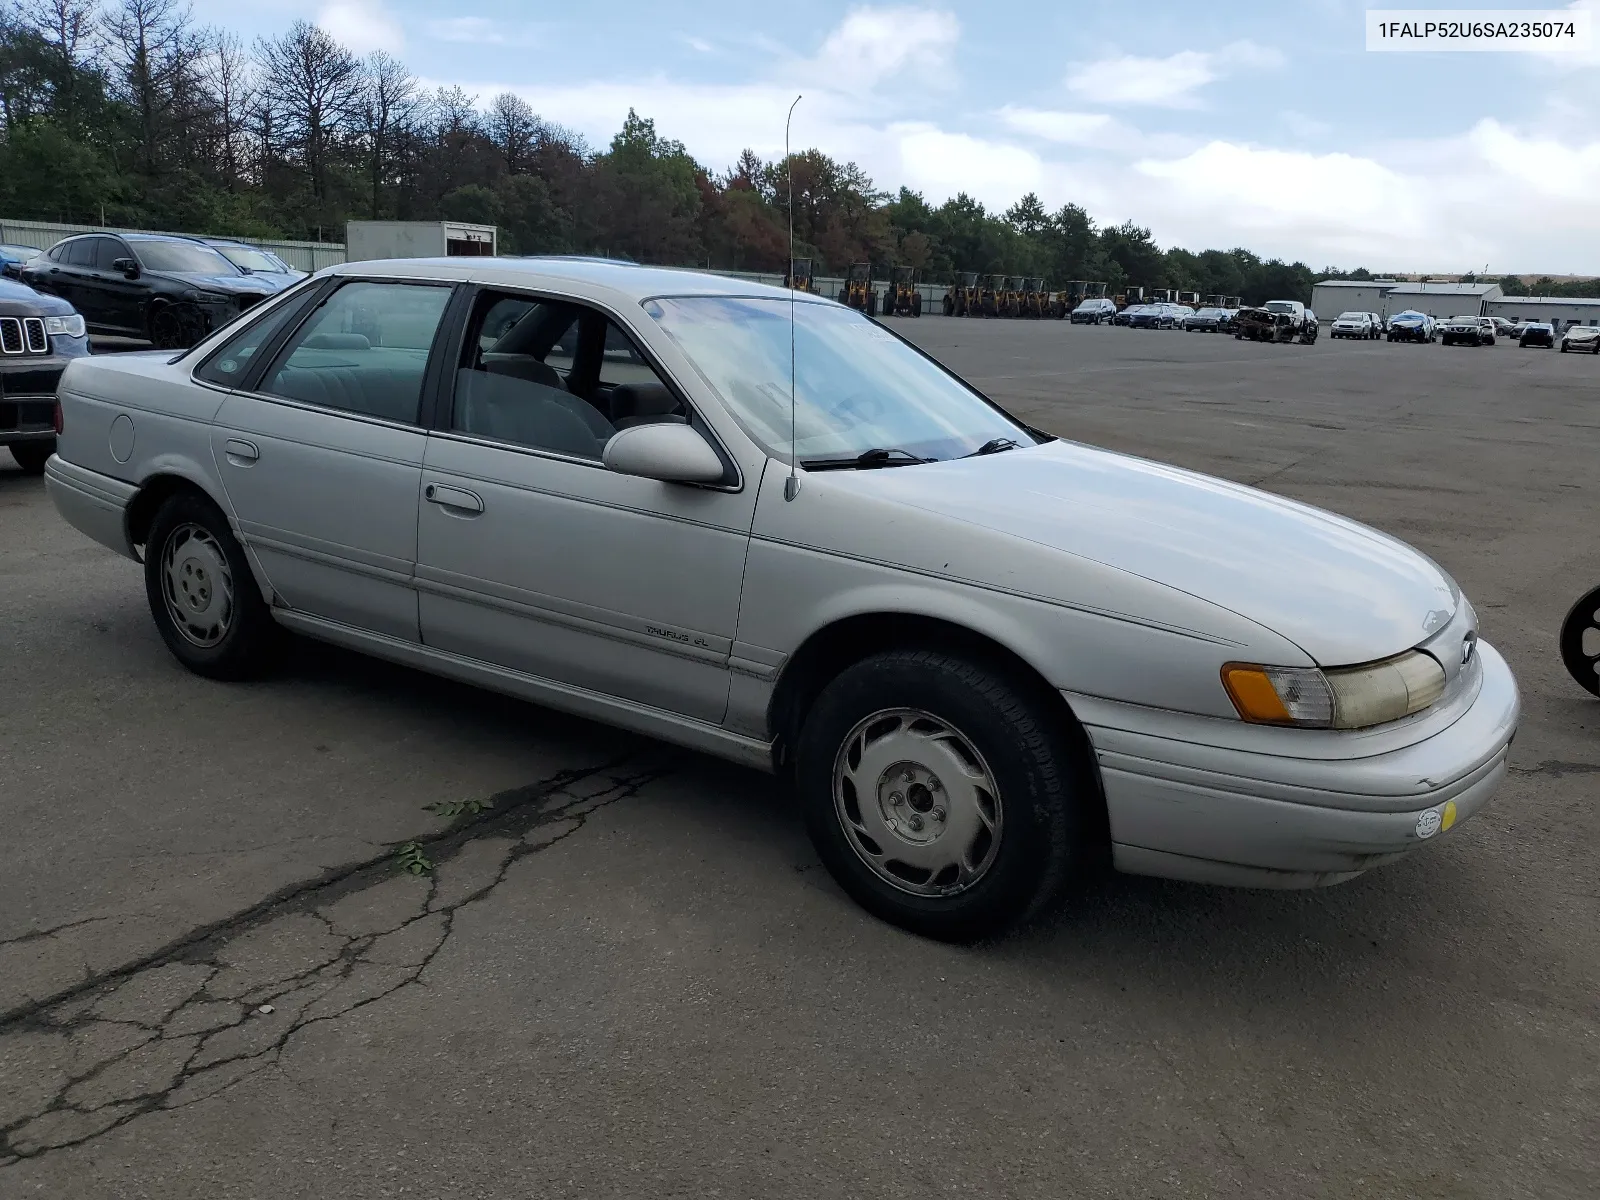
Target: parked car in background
1353	325
1537	333
1503	328
167	290
13	257
39	336
1380	324
1125	317
253	260
1098	311
1207	320
1410	326
1277	321
987	658
1467	331
1160	316
1581	337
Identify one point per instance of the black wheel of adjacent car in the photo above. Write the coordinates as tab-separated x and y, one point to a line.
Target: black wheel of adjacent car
176	326
940	793
202	595
31	456
1580	642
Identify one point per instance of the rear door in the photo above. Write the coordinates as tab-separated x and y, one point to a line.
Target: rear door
321	452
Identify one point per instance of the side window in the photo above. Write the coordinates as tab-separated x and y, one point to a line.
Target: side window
107	251
512	385
363	350
81	252
58	252
633	394
232	363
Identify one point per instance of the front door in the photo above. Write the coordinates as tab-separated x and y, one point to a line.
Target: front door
531	555
322	459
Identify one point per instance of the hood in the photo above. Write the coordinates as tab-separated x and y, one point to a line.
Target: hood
20	300
1343	592
232	285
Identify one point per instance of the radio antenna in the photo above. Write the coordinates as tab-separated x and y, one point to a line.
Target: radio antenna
791	485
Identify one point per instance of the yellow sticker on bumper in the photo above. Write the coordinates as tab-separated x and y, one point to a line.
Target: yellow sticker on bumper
1449	815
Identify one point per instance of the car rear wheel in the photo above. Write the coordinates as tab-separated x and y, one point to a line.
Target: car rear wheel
202	595
940	793
31	456
1580	642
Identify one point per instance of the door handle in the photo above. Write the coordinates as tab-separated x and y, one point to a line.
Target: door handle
456	499
240	453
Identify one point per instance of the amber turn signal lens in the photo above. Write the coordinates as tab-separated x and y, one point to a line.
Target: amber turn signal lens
1254	696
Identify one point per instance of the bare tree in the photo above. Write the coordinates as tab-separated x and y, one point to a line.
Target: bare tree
67	29
314	88
514	128
149	45
227	76
388	106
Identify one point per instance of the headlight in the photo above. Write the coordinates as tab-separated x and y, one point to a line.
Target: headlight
70	325
205	298
1338	698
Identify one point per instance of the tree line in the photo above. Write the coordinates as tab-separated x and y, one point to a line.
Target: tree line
130	113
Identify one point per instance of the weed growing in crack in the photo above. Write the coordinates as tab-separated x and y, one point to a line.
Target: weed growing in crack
413	860
459	808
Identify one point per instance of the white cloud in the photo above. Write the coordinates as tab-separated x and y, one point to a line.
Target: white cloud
873	43
1068	128
362	26
1169	82
700	45
467	29
941	164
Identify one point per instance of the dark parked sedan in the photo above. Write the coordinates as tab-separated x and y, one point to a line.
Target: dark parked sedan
1538	333
1209	320
39	335
167	290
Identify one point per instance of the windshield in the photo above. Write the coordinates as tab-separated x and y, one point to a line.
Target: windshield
857	386
185	258
250	259
1352	316
1280	306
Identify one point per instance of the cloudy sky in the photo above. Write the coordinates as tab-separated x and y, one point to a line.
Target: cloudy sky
1208	124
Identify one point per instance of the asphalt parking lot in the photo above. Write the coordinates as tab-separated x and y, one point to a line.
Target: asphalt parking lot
630	977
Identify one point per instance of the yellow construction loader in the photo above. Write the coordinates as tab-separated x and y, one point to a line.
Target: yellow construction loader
799	276
991	292
857	290
961	297
902	297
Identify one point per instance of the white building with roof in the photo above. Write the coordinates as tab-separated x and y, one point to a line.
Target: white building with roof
1441	300
1330	297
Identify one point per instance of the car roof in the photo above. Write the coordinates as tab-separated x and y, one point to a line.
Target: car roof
619	279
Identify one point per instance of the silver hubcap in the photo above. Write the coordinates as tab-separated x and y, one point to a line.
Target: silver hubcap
917	802
197	585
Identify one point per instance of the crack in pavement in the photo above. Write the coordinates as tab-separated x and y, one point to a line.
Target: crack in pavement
219	1006
1555	768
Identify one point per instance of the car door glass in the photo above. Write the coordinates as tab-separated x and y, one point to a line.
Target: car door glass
363	350
230	364
107	251
633	393
512	387
81	252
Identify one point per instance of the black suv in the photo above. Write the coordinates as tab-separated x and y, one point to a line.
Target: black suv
38	336
167	290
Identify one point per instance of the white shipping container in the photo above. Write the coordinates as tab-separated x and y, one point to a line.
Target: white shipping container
367	240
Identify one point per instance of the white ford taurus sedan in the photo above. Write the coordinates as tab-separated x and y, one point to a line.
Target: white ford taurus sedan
986	655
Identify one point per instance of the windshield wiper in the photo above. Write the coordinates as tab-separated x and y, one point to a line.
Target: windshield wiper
993	446
866	460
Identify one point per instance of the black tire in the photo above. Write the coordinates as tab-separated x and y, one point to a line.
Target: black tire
1583	617
916	305
1043	809
249	633
31	456
949	307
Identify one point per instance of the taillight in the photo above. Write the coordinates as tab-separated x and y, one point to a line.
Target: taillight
58	419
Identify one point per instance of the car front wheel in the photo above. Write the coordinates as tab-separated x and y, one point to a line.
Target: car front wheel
202	595
940	793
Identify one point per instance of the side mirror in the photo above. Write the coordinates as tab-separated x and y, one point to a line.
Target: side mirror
668	451
127	266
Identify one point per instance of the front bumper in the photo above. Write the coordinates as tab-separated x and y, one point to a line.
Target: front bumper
94	504
1186	809
28	396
